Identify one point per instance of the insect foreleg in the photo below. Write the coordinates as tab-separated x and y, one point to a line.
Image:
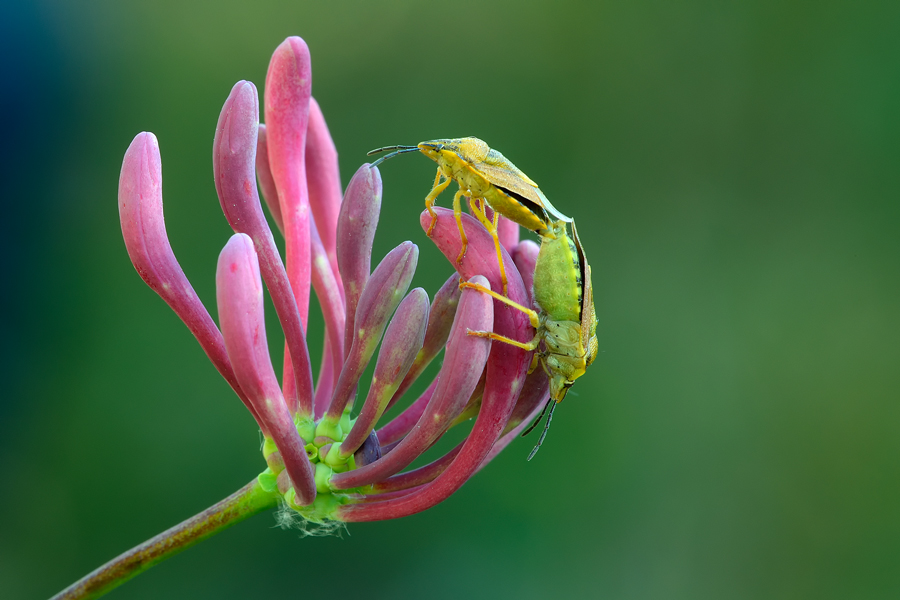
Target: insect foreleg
438	187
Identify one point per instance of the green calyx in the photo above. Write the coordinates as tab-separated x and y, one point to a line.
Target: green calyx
328	431
268	481
323	447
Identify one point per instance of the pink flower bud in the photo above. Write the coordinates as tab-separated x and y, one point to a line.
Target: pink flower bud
402	341
324	181
440	321
382	294
234	166
464	362
144	230
400	425
288	86
240	300
525	257
266	182
508	232
328	291
355	232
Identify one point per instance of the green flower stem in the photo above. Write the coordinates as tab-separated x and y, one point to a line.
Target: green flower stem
246	502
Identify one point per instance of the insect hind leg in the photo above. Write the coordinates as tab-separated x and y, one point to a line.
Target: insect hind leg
529	346
532	315
457	214
478	209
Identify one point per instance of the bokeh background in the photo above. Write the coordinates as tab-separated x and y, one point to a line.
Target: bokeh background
733	167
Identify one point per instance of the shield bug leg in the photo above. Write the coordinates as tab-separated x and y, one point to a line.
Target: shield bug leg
438	187
532	315
496	236
529	346
457	213
478	207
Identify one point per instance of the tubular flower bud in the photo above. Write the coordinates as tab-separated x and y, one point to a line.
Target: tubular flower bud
234	163
356	225
144	230
240	299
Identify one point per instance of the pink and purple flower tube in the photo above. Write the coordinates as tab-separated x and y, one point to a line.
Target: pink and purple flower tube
330	453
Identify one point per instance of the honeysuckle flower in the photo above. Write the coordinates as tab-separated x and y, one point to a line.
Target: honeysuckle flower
328	456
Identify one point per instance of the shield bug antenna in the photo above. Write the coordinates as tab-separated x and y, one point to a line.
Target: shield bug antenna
397	150
538	420
540	441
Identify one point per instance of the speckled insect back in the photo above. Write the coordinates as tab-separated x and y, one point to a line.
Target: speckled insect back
564	296
565	322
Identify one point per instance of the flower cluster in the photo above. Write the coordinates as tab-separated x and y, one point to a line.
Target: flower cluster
328	456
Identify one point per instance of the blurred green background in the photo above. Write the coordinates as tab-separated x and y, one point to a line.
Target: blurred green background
733	167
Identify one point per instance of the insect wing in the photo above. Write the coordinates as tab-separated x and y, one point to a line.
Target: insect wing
497	160
518	185
588	315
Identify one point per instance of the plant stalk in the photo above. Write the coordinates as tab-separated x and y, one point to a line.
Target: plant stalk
246	502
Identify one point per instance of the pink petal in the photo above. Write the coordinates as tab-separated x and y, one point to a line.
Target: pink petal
525	256
328	292
416	477
440	322
400	425
530	404
288	87
266	182
402	341
508	232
